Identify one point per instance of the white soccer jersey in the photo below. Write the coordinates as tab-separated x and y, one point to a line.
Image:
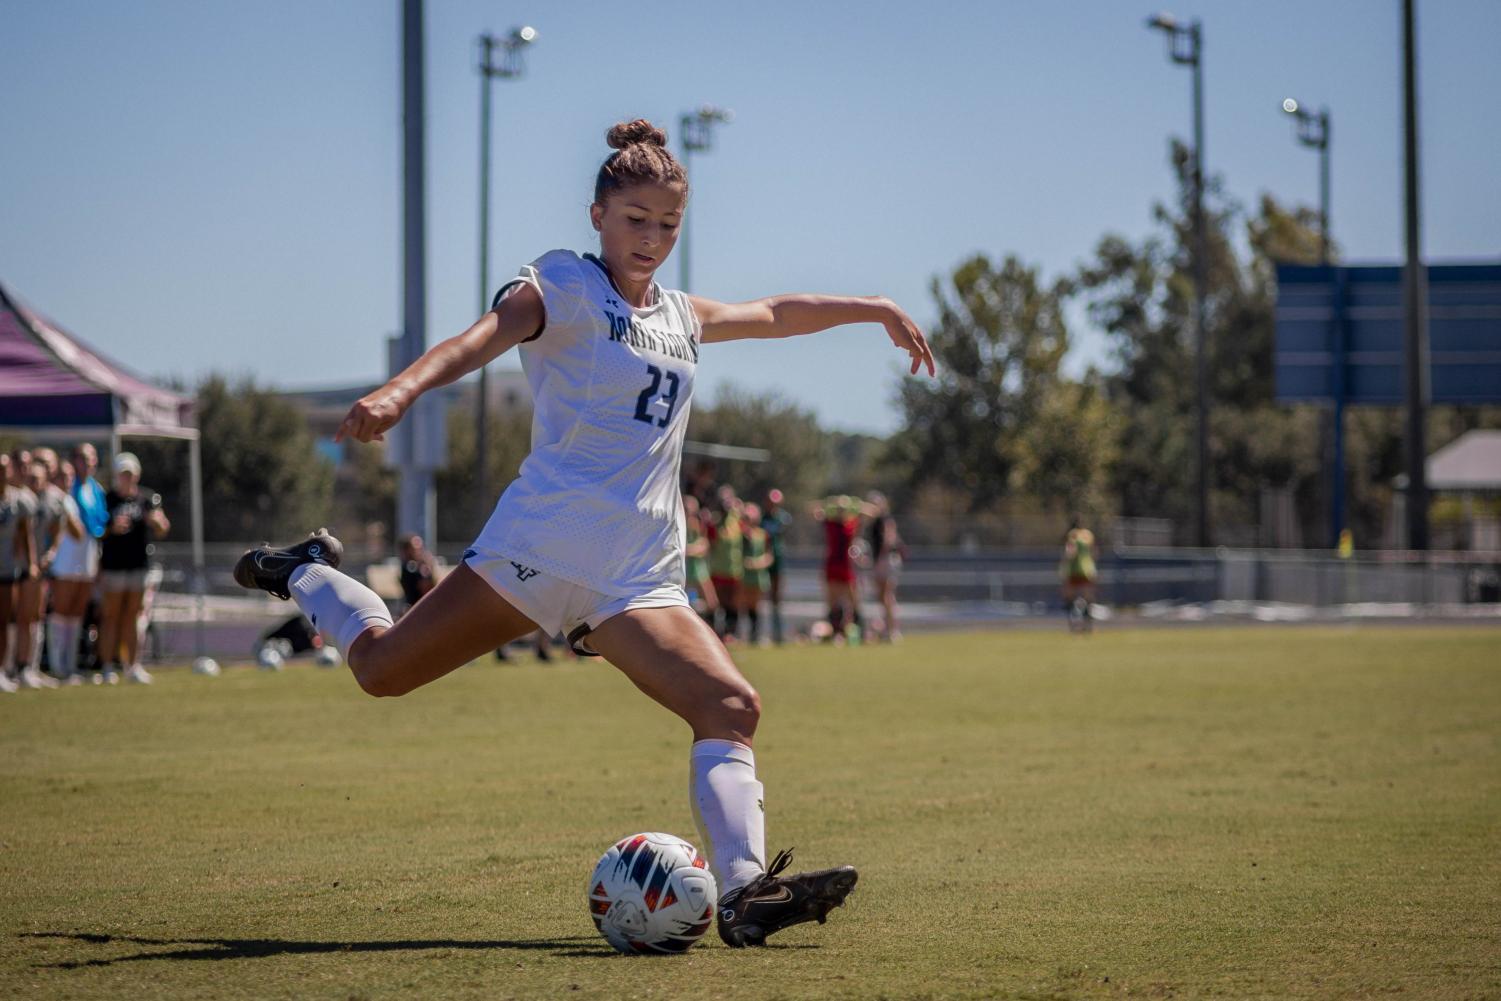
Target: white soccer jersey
597	501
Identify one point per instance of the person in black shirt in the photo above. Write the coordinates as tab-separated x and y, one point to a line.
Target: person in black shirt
418	569
887	552
135	518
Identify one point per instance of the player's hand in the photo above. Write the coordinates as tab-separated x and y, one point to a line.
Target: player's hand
905	335
374	415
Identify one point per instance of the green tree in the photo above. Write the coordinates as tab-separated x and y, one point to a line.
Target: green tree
1142	296
1067	451
854	465
263	476
365	489
799	458
998	342
462	510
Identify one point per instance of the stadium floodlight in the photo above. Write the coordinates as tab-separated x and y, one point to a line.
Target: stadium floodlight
1184	42
509	65
1313	132
1185	46
511	50
1313	129
697	135
698	126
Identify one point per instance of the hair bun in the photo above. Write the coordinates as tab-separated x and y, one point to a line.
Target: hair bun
626	134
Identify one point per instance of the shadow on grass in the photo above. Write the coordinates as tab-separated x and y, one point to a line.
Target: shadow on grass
263	948
608	953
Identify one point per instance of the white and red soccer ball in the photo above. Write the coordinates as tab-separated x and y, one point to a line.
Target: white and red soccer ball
652	893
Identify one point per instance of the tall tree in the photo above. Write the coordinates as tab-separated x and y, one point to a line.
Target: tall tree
799	457
1142	296
462	511
1067	451
998	342
263	476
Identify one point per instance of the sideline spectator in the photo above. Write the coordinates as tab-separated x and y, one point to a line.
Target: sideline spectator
89	495
700	483
757	579
31	597
17	560
727	562
887	552
87	491
419	571
74	569
776	520
1078	571
135	517
696	561
841	517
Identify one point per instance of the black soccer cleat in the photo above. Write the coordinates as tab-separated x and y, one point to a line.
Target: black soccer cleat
268	569
772	902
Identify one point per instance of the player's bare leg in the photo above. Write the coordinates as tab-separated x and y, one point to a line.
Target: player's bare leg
673	656
7	600
459	620
111	621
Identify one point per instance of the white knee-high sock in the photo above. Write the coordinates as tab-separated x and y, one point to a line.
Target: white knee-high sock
54	632
337	605
63	649
728	805
34	661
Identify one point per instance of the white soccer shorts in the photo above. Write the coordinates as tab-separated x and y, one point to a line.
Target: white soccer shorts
560	606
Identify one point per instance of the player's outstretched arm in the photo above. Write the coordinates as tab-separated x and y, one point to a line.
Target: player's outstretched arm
790	315
518	316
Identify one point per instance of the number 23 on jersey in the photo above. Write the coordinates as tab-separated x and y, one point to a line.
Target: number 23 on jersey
653	394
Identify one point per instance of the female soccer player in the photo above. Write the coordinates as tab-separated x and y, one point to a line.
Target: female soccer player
588	539
841	517
887	551
726	536
73	571
135	518
17	560
696	561
1078	571
757	576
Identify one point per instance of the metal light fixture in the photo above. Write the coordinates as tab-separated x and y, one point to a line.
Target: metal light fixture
1185	46
697	136
509	66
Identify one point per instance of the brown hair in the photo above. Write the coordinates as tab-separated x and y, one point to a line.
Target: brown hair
641	157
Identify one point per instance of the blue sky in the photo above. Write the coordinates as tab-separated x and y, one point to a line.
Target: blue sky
196	186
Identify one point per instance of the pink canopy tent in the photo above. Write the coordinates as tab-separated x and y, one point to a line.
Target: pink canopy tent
55	388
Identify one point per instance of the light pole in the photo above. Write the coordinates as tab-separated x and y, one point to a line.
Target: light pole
1185	46
508	66
1418	389
1314	132
697	129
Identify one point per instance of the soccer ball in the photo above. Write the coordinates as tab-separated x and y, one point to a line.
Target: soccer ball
327	656
652	893
269	658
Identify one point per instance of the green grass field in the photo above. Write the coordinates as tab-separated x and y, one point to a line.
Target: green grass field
1166	813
